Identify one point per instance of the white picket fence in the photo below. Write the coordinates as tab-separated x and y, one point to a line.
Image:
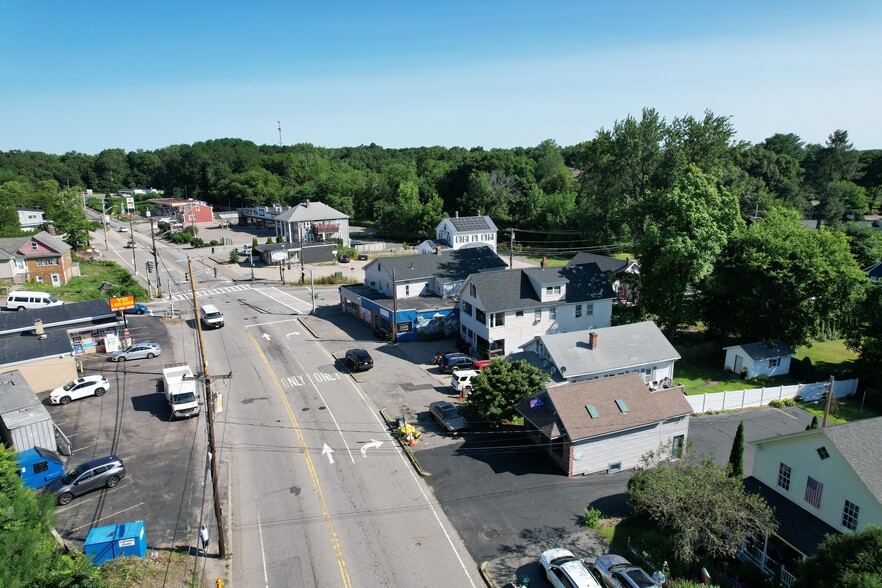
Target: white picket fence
735	399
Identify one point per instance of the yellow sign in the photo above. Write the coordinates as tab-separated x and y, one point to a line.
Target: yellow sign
122	303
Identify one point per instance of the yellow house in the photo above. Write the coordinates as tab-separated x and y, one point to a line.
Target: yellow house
818	481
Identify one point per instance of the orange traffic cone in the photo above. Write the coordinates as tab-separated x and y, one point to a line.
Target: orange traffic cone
410	441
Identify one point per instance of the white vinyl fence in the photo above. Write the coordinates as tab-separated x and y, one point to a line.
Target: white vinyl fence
735	399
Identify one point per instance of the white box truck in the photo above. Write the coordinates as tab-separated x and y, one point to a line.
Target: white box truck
180	393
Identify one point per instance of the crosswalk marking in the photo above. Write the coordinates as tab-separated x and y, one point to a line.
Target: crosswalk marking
211	292
292	302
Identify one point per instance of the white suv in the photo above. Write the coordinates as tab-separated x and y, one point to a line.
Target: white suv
462	381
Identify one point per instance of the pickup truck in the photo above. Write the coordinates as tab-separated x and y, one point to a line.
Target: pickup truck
180	392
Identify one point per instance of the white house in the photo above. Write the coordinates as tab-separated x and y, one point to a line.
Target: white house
600	353
500	311
606	425
460	232
312	221
758	359
30	219
819	481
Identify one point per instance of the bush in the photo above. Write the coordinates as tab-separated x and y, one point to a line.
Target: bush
789	402
776	403
591	518
234	256
214	243
197	242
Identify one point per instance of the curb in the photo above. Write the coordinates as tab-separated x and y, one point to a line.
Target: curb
410	456
486	575
311	332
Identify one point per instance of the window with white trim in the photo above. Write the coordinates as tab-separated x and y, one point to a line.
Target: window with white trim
537	315
552	313
589	310
578	311
551	290
774	362
850	515
784	476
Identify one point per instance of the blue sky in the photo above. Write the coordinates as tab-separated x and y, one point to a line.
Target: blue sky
87	76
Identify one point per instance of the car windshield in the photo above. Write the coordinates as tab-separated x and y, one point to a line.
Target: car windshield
52	300
213	315
563	559
638	578
68	387
183	397
450	413
70	476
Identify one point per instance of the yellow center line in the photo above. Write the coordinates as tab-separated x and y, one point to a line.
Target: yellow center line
338	552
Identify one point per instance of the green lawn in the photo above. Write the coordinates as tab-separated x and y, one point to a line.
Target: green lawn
831	357
87	285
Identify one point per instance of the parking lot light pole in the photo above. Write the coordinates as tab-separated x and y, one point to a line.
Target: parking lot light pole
209	412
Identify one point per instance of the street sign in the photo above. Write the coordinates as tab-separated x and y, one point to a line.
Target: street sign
121	303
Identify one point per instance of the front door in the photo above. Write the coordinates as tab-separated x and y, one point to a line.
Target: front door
739	362
56	280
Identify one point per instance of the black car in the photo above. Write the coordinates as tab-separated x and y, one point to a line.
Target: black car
344	258
452	361
362	257
359	360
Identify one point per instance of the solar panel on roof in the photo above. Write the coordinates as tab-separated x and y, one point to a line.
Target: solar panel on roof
470	223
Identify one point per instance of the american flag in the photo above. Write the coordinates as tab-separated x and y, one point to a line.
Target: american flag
813	490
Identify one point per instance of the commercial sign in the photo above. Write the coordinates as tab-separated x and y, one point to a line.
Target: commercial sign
122	303
130	203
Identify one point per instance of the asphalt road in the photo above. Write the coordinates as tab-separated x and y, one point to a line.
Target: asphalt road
321	494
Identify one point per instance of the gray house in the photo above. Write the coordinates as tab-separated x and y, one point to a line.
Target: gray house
606	425
598	353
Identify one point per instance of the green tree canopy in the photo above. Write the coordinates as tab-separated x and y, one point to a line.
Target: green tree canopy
707	512
500	386
845	560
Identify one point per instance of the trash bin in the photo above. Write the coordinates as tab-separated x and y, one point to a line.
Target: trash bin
105	543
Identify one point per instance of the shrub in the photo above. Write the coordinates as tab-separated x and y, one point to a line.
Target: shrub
214	243
591	518
197	242
789	402
776	403
234	256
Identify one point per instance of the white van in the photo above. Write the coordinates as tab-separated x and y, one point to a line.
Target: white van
462	381
212	318
21	300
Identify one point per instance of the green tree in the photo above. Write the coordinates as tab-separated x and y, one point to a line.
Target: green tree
706	512
813	424
234	256
866	337
736	456
792	284
786	144
865	244
685	231
500	386
844	560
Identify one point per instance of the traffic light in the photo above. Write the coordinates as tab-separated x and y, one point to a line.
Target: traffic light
149	265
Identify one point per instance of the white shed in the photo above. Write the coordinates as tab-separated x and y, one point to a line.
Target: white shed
24	421
759	359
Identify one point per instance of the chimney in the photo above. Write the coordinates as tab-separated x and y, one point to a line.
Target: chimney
437	251
592	340
38	329
456	214
544	262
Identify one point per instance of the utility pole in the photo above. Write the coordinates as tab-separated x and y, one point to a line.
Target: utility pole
155	256
300	235
132	238
104	220
511	249
828	403
209	412
394	308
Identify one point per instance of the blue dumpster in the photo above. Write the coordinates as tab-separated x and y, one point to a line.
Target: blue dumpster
38	467
104	543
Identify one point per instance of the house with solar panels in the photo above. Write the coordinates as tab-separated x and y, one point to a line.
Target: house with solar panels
606	425
461	232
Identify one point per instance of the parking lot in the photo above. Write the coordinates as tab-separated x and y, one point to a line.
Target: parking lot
164	459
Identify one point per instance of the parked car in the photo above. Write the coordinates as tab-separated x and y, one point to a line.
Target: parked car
137	351
614	571
344	258
449	417
563	570
461	381
137	309
456	360
104	472
359	360
130	245
362	257
95	385
122	229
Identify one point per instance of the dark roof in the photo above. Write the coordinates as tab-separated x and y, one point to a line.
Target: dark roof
539	411
68	313
26	346
512	290
569	402
757	351
797	526
451	265
417	303
268	247
874	271
606	264
473	223
859	442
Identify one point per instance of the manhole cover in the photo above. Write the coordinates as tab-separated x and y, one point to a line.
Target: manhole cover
491	534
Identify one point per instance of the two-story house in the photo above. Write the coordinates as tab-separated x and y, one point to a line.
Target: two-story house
189	212
818	481
30	219
460	232
42	258
415	291
600	353
500	311
310	222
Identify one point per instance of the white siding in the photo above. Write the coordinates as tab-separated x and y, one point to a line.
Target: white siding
756	368
625	447
660	371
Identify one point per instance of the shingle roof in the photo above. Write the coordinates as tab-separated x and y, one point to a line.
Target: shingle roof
67	313
874	271
512	290
606	264
539	411
758	351
859	443
618	347
569	402
472	223
448	266
315	211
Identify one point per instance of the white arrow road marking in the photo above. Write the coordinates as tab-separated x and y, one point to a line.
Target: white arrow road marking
266	336
372	445
329	452
289	334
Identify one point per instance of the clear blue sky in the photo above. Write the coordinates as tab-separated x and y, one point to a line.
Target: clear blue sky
87	76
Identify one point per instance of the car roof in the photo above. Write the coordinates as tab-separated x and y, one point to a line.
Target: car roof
359	352
609	560
86	465
455	354
465	373
442	404
579	572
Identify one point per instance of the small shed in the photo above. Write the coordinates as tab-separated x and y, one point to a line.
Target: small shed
24	421
759	359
